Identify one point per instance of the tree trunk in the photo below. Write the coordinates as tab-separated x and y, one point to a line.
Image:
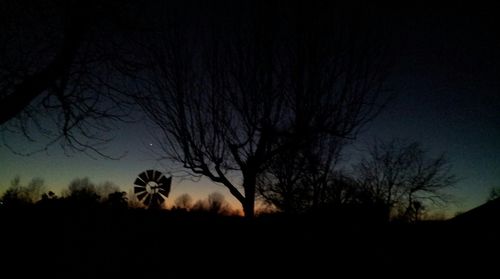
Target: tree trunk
249	182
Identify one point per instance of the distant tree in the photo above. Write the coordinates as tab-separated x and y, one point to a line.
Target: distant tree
82	192
494	193
184	201
132	200
49	199
18	195
106	188
279	78
200	205
305	180
35	188
49	196
117	200
402	178
217	203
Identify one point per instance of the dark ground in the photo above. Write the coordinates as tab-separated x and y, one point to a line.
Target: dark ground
141	244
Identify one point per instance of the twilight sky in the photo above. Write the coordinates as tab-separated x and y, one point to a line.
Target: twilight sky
446	82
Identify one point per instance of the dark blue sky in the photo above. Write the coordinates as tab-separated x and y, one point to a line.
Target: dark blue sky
448	95
461	122
446	83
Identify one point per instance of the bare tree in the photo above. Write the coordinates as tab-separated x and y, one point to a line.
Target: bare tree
276	80
402	176
305	180
55	78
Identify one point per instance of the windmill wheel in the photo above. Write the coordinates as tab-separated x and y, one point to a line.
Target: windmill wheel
151	188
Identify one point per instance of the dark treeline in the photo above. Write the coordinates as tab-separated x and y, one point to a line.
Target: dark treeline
396	181
83	194
81	235
109	243
80	193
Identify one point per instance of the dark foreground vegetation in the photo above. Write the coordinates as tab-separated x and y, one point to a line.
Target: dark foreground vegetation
128	243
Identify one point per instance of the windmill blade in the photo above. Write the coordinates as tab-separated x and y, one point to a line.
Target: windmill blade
139	189
156	175
139	182
165	187
143	176
150	174
164	192
142	195
159	198
164	181
147	200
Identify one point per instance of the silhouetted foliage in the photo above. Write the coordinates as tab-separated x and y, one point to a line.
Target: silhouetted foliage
279	78
494	193
402	178
49	196
132	200
200	205
18	195
214	204
105	189
50	200
184	201
117	200
81	192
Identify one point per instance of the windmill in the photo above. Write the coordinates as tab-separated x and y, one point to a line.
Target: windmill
151	188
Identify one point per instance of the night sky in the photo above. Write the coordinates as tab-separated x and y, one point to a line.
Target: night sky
447	96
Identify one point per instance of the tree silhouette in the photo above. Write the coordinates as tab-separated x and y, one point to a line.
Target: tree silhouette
49	200
402	176
18	195
216	203
81	192
184	201
117	200
278	78
105	189
494	193
49	196
54	74
305	179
